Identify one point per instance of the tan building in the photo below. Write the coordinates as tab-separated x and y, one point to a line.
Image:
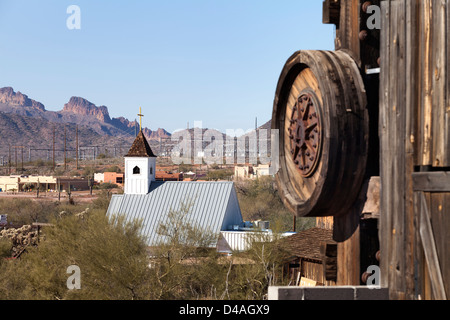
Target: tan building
46	183
251	172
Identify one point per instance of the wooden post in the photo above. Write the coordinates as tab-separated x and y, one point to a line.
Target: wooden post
53	155
77	147
65	149
431	255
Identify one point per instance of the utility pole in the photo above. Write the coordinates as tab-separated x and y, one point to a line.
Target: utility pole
54	164
9	160
17	161
77	145
65	148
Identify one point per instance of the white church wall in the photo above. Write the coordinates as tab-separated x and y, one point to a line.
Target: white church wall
139	183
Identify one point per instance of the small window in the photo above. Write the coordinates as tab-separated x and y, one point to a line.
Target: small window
151	170
136	170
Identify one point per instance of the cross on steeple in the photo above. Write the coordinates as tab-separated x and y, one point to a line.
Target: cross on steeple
140	115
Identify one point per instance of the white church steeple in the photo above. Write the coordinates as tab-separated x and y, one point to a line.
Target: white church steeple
140	165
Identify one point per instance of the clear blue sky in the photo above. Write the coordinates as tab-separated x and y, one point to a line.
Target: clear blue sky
215	61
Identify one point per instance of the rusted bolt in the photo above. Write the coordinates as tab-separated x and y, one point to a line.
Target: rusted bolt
366	5
379	61
365	276
378	255
363	35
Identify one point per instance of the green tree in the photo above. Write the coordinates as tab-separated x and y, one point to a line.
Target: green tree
259	200
260	267
220	174
113	169
25	211
110	253
183	263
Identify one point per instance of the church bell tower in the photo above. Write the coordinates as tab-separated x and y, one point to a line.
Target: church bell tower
140	165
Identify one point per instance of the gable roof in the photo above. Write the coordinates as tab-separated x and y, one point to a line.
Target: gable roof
215	206
306	244
140	147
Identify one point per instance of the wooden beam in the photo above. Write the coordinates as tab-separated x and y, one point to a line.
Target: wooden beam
329	253
429	247
331	12
431	181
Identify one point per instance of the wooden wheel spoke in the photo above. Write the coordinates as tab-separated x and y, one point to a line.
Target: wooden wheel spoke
311	127
307	111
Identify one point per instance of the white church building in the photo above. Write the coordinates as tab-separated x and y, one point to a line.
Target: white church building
215	207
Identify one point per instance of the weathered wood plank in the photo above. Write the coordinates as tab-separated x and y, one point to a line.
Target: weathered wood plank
329	253
446	129
347	34
431	181
385	221
397	217
426	83
440	219
398	143
411	74
431	255
331	12
438	71
411	108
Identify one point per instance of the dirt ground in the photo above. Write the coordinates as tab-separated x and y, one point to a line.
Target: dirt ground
78	196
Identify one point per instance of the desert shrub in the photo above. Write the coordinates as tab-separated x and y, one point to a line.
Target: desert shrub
259	200
110	253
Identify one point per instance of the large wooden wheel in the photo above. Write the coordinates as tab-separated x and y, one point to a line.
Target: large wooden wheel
320	112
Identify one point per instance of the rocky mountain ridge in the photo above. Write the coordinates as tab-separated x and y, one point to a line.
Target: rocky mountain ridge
77	110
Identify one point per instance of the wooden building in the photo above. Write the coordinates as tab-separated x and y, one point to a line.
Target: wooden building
306	249
365	139
414	130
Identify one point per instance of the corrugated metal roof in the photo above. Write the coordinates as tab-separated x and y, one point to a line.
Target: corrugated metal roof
214	206
238	241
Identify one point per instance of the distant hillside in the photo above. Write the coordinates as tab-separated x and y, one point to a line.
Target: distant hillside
37	134
26	122
77	111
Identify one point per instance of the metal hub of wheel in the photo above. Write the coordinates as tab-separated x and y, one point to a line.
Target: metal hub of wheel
305	133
